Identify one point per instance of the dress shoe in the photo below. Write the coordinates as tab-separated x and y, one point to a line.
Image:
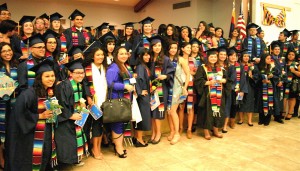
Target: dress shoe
279	120
218	135
288	117
250	124
175	139
134	140
156	142
207	138
224	131
138	144
240	123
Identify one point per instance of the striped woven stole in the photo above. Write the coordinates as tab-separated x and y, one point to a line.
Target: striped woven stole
238	77
215	91
221	42
82	146
191	94
3	103
250	46
285	48
89	76
289	80
127	125
30	74
38	142
174	63
146	43
25	47
75	40
238	44
268	97
159	89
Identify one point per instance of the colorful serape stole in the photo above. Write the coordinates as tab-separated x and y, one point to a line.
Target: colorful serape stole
25	47
146	43
198	61
30	74
49	56
4	104
238	77
63	48
89	76
250	46
289	80
191	94
215	91
285	48
205	42
268	95
75	40
37	155
238	44
170	91
159	90
82	146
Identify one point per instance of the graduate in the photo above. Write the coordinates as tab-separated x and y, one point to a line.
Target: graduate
46	19
69	137
247	105
205	36
295	43
185	34
143	92
171	33
96	67
77	35
234	39
261	34
284	45
218	40
209	82
39	25
238	88
5	13
102	30
162	71
8	66
266	94
109	43
128	37
28	125
37	49
253	43
142	39
26	31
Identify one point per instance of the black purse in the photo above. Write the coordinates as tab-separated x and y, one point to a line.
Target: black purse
295	86
116	110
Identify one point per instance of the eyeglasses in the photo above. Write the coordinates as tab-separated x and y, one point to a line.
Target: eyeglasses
6	51
39	47
51	43
78	73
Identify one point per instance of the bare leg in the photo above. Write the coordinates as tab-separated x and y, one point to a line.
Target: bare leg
97	147
190	122
181	116
157	130
118	141
241	114
225	125
153	130
139	136
216	132
171	126
206	134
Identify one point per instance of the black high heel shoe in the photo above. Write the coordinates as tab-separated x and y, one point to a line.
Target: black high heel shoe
120	155
138	144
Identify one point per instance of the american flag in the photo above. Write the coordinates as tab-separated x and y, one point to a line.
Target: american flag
242	26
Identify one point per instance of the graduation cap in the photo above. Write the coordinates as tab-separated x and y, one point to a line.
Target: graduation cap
244	51
89	28
75	49
75	64
155	39
95	44
75	13
111	28
108	35
286	33
55	16
147	20
142	49
44	16
194	40
37	38
259	30
44	66
50	34
129	24
274	44
294	32
252	25
211	51
104	25
25	19
222	49
232	50
3	7
210	25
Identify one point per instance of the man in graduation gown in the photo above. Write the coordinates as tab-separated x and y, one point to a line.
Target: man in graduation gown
37	49
77	35
254	44
69	137
284	45
295	43
4	13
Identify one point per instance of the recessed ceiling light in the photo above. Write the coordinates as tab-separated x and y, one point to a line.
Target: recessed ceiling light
116	0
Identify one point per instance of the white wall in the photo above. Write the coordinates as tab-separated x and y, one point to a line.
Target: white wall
272	32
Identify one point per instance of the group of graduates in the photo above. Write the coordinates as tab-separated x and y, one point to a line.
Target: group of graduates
169	73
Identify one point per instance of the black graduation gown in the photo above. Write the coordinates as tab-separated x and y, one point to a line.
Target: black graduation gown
254	47
286	44
205	117
168	70
137	43
15	42
143	83
81	39
65	133
248	103
22	125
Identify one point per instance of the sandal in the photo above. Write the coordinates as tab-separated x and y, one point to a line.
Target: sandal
288	118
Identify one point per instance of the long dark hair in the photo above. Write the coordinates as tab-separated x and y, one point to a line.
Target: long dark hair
287	54
7	26
206	32
12	62
162	28
219	28
207	62
39	87
90	58
161	54
123	71
109	40
22	34
262	63
174	36
169	47
182	45
55	53
141	58
61	29
189	31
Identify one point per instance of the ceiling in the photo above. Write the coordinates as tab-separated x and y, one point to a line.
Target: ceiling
113	2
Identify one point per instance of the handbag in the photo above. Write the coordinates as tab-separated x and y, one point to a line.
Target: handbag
295	86
116	110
